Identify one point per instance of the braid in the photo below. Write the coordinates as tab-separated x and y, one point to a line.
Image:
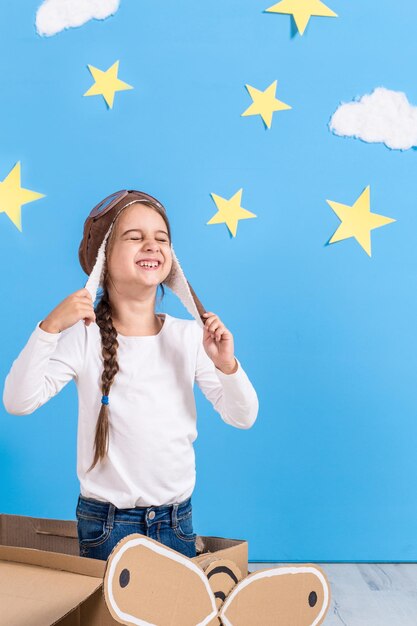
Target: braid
109	345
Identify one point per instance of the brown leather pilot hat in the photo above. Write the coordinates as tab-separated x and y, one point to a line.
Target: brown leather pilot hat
97	228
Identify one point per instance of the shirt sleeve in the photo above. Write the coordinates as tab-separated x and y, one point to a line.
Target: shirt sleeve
44	366
232	395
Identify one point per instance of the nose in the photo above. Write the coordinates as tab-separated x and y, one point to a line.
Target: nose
151	244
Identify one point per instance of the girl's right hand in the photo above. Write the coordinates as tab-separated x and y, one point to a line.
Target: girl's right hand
77	306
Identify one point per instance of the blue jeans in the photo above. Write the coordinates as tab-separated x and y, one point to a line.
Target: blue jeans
100	526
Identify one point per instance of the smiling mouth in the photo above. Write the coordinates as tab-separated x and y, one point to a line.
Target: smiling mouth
147	268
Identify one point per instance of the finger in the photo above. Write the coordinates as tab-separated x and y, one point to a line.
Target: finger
209	316
84	293
87	295
210	331
216	325
83	299
216	334
88	311
208	334
212	321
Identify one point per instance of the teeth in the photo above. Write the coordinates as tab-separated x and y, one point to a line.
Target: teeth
148	264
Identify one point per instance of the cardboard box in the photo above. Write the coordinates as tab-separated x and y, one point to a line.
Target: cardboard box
44	581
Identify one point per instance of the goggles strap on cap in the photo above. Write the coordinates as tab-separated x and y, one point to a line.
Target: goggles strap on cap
108	203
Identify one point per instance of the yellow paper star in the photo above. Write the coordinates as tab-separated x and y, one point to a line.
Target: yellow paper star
265	103
302	10
12	196
230	211
357	220
106	83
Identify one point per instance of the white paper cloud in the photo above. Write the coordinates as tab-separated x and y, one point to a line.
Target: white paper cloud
53	16
384	116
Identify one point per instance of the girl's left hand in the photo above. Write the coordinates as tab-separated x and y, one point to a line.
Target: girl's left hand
218	342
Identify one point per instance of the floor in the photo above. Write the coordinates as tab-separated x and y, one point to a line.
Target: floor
368	594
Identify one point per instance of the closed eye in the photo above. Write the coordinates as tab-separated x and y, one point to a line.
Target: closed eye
137	238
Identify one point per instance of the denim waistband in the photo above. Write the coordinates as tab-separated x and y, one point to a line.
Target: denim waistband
99	509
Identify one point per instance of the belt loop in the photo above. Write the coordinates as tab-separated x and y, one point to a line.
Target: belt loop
174	515
110	516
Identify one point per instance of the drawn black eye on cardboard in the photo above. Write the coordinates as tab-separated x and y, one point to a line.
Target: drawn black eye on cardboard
148	584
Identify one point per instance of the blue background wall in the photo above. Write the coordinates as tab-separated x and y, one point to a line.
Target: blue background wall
326	334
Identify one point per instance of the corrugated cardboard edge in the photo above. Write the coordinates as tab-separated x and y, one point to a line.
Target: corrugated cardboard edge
224	551
58	561
54	560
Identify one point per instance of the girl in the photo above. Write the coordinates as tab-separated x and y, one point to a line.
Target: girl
135	455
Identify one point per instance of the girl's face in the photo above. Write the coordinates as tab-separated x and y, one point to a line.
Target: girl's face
141	234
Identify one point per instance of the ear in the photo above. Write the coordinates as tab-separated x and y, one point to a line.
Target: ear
296	594
147	583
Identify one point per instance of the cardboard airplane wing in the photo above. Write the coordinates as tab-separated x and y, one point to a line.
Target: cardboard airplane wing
149	584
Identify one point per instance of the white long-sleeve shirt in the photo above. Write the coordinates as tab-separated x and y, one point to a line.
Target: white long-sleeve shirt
152	411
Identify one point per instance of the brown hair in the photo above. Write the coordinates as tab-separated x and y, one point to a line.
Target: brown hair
109	343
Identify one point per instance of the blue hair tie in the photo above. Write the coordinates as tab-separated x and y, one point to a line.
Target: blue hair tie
105	400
